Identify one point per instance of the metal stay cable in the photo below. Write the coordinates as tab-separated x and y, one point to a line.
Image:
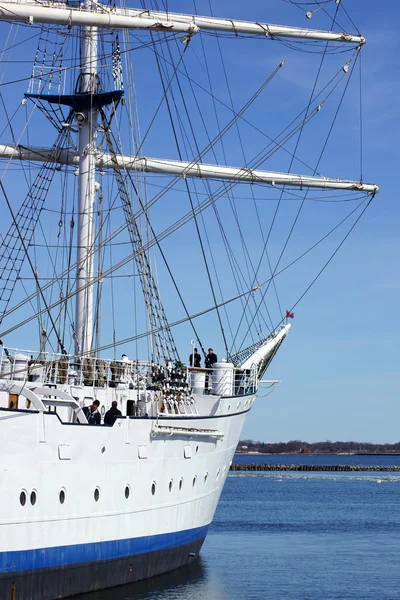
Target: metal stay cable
236	272
232	203
361	124
213	142
157	243
204	204
332	255
259	159
163	98
194	316
149	224
319	159
33	269
255	289
192	205
175	323
244	159
216	139
236	269
301	129
168	231
241	116
123	262
164	347
53	262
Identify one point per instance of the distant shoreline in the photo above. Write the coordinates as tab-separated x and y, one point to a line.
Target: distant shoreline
328	448
318	453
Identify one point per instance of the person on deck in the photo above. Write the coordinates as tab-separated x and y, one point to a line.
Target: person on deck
92	413
211	358
195	359
112	414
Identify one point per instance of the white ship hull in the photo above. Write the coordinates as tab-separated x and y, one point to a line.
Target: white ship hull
157	495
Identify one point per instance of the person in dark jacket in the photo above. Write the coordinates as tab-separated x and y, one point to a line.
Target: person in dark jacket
112	414
211	358
92	413
194	359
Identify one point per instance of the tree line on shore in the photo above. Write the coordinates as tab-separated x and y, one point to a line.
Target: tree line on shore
328	447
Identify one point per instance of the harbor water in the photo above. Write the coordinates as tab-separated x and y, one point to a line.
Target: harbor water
293	536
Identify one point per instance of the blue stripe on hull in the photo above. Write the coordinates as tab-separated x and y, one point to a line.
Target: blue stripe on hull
42	558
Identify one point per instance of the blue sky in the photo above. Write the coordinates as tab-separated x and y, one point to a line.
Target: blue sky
339	365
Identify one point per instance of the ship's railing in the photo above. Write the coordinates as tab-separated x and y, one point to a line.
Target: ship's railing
171	381
224	380
62	369
20	365
246	381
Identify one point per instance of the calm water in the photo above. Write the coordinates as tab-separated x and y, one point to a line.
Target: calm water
294	536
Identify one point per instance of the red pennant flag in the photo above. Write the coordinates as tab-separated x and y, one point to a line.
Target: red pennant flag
289	315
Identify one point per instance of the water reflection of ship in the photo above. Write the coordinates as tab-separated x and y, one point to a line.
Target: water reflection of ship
181	583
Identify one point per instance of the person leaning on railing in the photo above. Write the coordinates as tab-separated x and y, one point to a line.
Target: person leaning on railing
210	360
92	413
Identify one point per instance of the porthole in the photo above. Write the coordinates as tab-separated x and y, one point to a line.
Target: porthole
218	472
96	494
205	477
171	481
22	498
33	497
238	406
197	449
61	496
153	488
229	407
194	480
224	468
180	483
127	492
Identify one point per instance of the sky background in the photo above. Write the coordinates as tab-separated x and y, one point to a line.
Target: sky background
339	366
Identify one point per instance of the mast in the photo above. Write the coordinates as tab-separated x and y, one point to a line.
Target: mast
87	121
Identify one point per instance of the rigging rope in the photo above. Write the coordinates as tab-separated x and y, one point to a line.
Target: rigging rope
164	347
115	267
194	215
32	266
301	129
319	159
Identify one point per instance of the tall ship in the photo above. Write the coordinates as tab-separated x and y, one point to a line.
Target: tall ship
146	266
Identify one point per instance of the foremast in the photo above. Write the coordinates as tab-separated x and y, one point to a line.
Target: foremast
87	121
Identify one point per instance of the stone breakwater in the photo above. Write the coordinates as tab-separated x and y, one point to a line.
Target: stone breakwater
273	467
